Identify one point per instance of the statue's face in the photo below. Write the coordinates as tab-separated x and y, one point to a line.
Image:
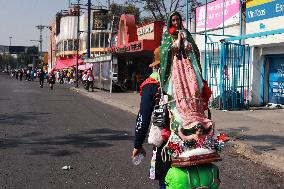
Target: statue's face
199	132
175	21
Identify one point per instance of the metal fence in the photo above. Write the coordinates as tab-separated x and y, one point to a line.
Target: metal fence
227	73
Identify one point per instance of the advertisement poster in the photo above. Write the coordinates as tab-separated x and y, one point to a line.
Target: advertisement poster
265	10
215	14
276	81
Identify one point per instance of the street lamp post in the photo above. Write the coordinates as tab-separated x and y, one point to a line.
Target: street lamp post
78	33
41	27
10	41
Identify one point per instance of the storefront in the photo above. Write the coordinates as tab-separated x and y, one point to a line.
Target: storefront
134	50
267	62
104	68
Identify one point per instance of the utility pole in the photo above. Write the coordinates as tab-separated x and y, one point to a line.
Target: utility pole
89	29
41	27
78	33
10	41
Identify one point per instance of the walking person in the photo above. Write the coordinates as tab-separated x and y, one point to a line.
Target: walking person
51	80
84	79
21	75
150	96
90	80
41	78
61	77
27	74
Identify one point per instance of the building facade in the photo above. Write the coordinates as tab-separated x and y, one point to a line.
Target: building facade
250	62
134	50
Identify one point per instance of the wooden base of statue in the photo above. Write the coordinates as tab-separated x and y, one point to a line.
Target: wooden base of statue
195	160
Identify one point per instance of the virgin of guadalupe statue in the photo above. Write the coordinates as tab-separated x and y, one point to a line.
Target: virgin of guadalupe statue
182	81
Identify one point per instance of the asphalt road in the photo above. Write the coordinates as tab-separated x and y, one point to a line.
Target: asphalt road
43	130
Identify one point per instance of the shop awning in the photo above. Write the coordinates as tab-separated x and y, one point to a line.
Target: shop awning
72	61
60	65
64	63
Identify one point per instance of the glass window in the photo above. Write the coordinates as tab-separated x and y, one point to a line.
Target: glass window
92	40
75	44
106	40
65	45
97	40
60	47
102	40
70	44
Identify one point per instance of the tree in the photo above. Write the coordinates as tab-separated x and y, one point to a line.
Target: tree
159	9
117	10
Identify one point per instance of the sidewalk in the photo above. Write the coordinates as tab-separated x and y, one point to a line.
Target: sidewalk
256	134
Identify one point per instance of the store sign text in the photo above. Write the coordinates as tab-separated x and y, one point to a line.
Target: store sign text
145	30
127	48
265	11
102	58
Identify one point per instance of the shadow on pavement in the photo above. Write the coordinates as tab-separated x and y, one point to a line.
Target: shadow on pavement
5	99
22	117
96	138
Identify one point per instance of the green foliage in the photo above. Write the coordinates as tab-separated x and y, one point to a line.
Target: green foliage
159	9
118	10
19	60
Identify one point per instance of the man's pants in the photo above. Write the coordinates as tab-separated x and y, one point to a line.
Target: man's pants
41	82
90	84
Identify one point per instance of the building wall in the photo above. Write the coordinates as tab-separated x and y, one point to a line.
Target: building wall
259	76
263	16
200	39
52	44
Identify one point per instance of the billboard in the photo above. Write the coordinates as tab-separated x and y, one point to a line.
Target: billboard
100	19
263	16
267	9
215	14
253	3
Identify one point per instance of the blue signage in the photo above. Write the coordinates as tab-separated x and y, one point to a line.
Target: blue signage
276	81
265	11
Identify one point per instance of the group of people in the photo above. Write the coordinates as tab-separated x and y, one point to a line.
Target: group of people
66	76
27	74
33	75
175	97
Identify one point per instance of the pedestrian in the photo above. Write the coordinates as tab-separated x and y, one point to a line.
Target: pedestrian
21	75
51	79
68	76
35	75
61	77
41	78
150	96
17	74
84	79
90	80
26	74
32	75
133	82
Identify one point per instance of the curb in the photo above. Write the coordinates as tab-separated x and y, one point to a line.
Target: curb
107	101
263	158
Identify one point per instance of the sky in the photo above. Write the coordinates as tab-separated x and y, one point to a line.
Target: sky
18	19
